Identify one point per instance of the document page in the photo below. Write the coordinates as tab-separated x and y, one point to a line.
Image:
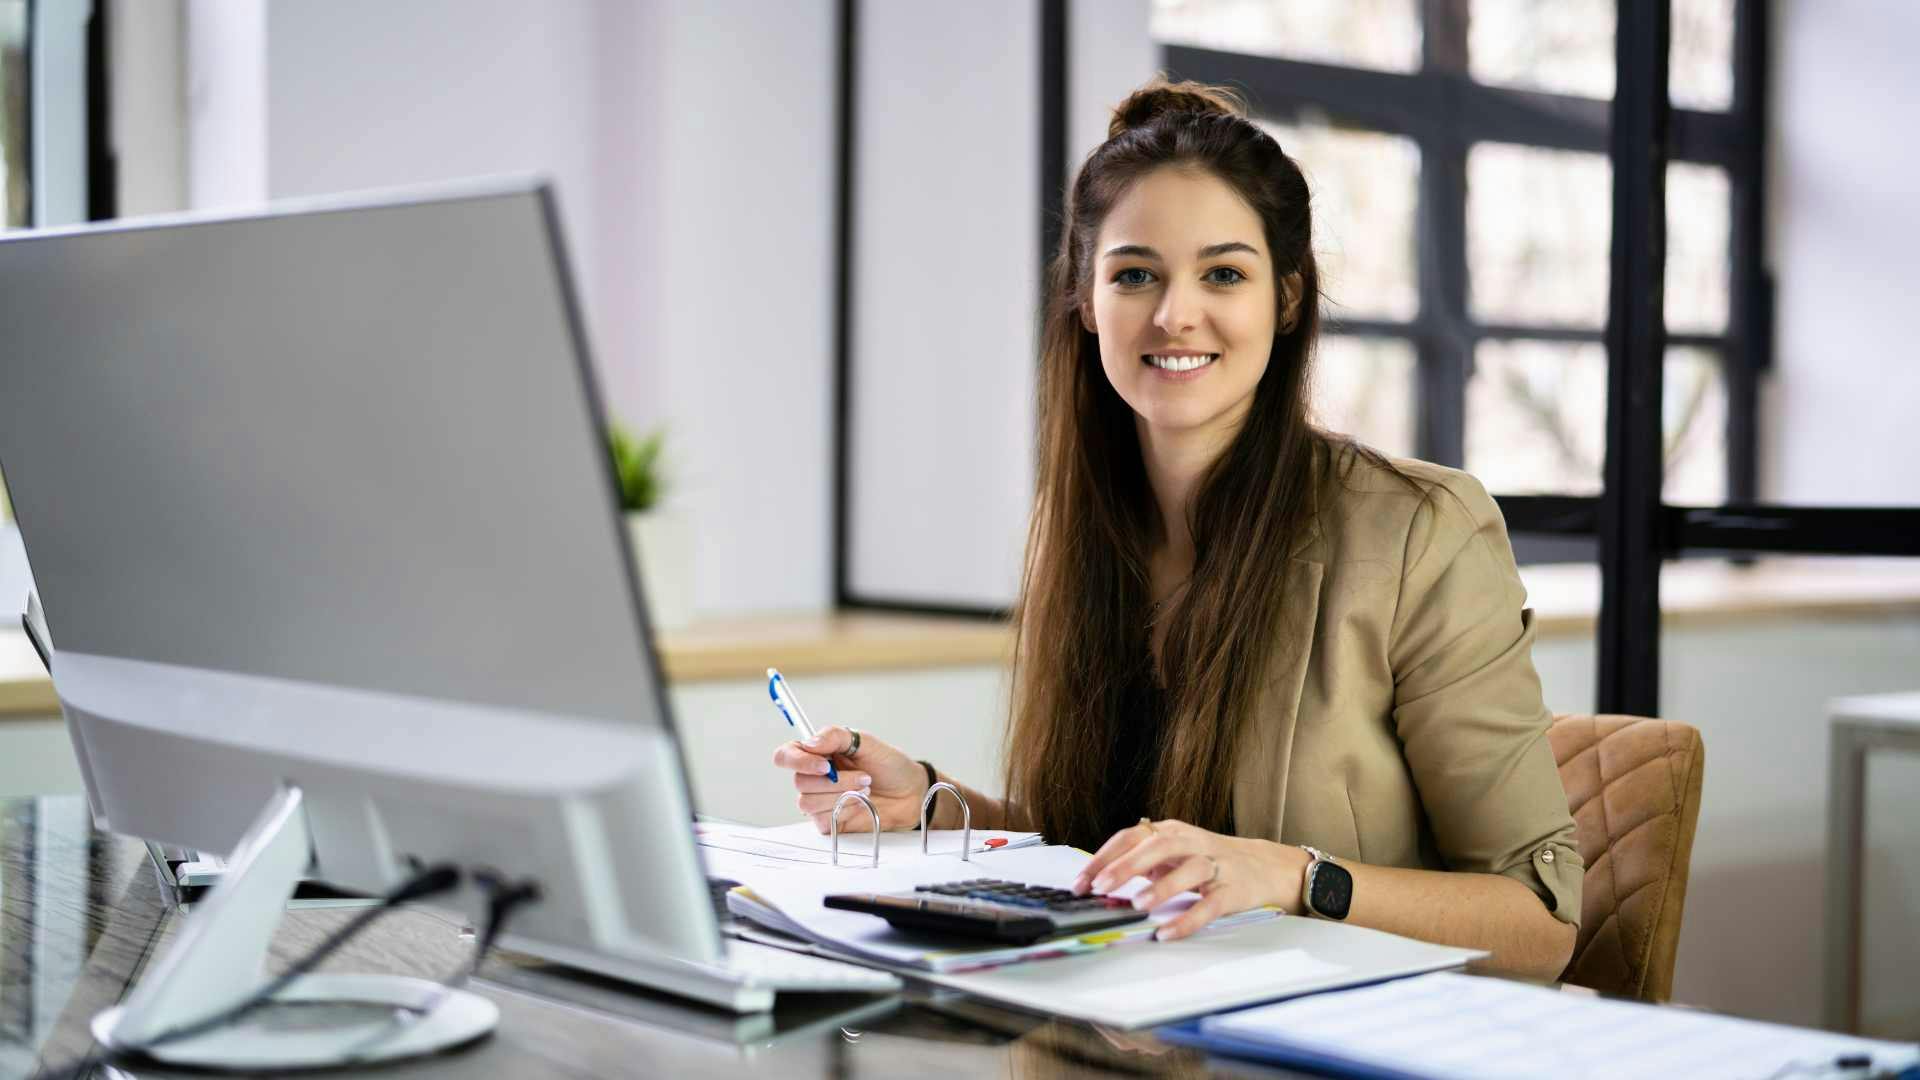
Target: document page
1472	1027
801	843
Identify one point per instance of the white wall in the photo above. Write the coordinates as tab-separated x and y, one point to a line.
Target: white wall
148	109
705	271
945	272
226	99
946	281
1838	423
743	331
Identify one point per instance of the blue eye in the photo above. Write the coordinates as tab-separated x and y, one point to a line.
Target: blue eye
1121	277
1237	278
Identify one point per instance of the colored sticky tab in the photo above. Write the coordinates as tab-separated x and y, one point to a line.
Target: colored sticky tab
1107	938
997	841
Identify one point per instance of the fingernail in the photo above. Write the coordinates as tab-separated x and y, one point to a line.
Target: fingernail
814	741
1157	934
1101	884
823	768
1079	885
866	781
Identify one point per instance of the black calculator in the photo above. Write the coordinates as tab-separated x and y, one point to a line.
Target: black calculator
992	910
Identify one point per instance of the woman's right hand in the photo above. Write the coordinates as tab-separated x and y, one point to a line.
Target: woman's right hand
895	782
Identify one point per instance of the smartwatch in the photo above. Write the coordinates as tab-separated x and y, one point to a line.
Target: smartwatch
1329	886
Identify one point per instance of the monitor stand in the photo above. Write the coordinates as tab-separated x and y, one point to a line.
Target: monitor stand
187	877
219	958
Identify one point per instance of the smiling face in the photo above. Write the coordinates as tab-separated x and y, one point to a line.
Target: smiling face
1184	300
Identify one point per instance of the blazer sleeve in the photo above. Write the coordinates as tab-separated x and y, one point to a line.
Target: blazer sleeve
1467	703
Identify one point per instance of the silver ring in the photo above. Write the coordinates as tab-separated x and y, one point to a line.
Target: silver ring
854	750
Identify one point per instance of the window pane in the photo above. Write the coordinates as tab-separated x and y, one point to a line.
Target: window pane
1700	55
1699	238
1380	34
1364	387
1560	46
1537	416
1538	234
13	114
1365	188
1694	418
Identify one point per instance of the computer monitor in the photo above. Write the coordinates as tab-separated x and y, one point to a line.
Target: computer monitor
320	509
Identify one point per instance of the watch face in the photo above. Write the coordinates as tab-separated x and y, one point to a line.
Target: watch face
1331	891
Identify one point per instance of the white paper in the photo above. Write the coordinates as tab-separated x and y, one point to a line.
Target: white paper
1451	1025
1271	972
801	843
791	897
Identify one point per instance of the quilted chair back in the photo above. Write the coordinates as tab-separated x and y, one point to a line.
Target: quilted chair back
1633	785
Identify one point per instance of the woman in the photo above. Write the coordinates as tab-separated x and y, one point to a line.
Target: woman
1261	642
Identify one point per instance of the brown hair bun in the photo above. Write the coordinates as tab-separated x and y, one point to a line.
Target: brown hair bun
1163	97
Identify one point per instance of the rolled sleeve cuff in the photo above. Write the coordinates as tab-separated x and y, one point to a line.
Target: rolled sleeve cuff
1554	872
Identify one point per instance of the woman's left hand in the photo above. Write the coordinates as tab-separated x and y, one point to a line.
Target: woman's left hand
1230	873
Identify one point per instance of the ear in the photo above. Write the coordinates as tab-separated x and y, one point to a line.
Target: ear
1086	317
1291	287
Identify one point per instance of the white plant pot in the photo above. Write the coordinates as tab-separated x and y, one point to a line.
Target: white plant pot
662	543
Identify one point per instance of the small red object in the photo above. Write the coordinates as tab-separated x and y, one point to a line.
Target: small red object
997	841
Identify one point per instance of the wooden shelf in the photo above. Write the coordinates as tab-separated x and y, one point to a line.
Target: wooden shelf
1565	600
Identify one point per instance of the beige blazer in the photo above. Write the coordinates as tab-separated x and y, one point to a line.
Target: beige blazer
1403	723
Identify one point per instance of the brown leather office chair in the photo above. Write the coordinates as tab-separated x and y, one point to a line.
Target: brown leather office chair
1633	785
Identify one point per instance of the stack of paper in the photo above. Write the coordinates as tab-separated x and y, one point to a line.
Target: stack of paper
802	843
1467	1026
789	897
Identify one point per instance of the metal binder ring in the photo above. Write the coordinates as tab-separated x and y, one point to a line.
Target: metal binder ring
871	813
966	820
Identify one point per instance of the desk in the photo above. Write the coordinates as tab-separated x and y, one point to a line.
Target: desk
82	913
1858	725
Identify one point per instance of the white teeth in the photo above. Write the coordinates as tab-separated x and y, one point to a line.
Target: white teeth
1182	363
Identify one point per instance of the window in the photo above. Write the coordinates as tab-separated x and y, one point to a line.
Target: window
1458	155
13	149
13	114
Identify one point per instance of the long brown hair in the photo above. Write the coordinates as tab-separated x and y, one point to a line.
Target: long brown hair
1081	623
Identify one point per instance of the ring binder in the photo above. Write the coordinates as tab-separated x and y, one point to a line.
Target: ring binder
871	813
966	821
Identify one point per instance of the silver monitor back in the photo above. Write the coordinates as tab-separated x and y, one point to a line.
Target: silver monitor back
320	496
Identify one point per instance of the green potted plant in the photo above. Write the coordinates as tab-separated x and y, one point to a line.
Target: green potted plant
661	542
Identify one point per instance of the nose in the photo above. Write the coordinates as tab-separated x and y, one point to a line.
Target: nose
1179	311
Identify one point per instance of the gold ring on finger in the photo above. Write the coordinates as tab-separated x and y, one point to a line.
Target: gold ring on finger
1147	824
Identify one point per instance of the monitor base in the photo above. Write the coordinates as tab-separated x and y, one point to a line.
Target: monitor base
218	961
404	1017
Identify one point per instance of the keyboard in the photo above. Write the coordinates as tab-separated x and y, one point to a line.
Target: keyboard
992	910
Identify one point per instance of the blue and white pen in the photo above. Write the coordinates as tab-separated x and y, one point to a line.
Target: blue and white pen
789	707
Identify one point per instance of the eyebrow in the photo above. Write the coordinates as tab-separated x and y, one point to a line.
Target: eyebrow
1207	252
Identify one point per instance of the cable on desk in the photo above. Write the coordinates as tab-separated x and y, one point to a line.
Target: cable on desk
428	882
503	898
